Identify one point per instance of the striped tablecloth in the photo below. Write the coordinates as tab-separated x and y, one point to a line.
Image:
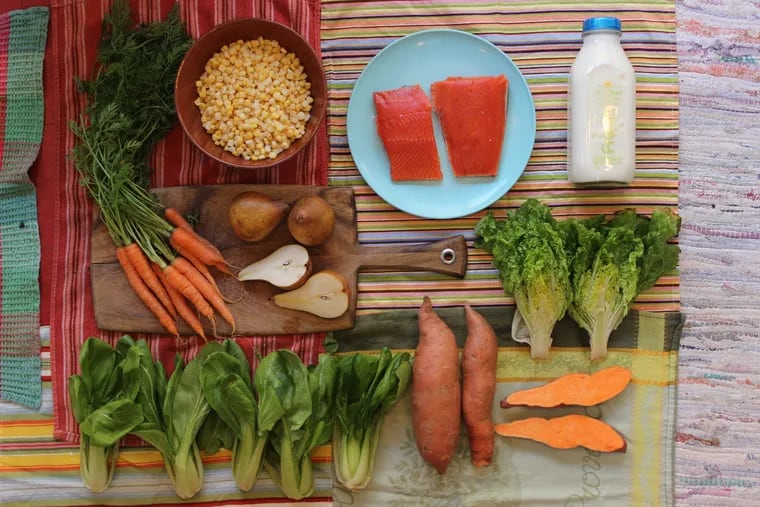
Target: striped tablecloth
542	38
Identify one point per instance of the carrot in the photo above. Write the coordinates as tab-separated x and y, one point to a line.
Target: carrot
573	389
176	219
180	303
186	241
177	280
566	432
436	393
479	386
144	293
203	268
212	296
138	259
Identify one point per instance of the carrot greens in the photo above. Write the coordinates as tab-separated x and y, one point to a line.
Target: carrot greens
130	107
135	71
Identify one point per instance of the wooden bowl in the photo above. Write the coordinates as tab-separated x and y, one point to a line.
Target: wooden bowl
192	67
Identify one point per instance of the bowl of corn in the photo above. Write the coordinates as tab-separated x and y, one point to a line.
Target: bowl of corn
250	93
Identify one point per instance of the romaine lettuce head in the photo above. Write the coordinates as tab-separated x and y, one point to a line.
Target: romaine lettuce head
528	250
604	290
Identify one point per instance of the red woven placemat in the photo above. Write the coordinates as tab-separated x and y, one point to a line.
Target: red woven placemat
65	220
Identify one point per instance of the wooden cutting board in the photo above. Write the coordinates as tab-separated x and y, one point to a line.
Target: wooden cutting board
117	307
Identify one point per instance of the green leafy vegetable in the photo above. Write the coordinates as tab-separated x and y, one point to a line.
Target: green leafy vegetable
226	381
592	268
174	412
130	107
528	250
306	397
614	262
104	409
331	344
655	232
367	387
215	434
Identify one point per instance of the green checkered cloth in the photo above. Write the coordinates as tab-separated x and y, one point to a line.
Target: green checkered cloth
22	48
647	343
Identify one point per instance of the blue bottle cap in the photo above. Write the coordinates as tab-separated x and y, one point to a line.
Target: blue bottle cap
601	23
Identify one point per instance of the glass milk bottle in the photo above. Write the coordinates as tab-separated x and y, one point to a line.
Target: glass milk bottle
601	136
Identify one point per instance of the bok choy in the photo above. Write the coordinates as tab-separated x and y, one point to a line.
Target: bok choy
104	409
306	397
367	386
173	412
226	380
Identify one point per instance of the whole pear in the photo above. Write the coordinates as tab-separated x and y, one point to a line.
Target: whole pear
254	216
311	220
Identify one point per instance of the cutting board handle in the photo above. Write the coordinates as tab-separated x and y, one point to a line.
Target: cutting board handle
447	256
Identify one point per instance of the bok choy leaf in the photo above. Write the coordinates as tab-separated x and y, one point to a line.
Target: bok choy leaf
104	409
174	412
367	387
227	384
306	396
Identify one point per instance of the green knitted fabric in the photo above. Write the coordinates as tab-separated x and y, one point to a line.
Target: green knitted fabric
22	48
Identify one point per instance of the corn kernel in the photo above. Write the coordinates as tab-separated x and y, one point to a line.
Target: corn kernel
254	98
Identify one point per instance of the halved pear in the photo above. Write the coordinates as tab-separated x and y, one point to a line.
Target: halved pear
325	294
288	267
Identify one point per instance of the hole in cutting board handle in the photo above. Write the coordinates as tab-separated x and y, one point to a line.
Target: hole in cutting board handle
448	256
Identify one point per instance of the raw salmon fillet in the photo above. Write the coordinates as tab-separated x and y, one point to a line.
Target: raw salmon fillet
473	114
405	125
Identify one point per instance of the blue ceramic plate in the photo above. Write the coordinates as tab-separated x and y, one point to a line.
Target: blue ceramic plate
422	58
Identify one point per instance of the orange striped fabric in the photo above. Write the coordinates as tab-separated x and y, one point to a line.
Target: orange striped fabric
542	38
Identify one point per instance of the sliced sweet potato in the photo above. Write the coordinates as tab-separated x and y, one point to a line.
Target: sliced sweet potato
573	389
566	432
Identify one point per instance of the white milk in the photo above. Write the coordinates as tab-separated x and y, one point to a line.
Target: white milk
601	136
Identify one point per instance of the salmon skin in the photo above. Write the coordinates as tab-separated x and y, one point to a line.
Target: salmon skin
473	114
405	126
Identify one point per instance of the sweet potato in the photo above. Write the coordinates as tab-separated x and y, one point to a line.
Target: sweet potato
479	386
436	390
573	389
566	432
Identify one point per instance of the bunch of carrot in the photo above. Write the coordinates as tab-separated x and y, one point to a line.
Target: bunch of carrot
166	262
130	107
177	284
